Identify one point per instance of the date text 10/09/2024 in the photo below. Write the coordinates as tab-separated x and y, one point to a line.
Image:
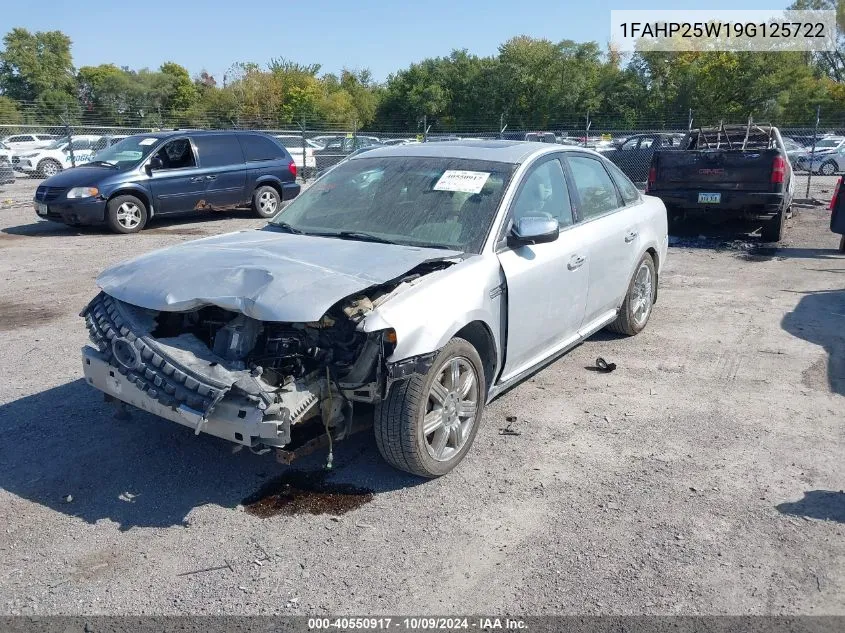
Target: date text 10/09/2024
418	624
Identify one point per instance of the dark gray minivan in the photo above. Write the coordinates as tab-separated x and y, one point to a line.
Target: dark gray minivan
171	172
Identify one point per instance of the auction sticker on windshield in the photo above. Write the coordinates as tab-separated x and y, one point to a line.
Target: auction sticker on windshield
147	141
463	181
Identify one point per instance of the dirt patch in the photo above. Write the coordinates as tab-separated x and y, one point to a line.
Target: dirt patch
300	492
15	315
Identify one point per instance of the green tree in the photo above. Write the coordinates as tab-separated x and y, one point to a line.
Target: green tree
33	64
9	111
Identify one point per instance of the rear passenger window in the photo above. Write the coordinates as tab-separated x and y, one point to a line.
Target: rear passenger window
544	194
630	193
595	188
218	150
257	147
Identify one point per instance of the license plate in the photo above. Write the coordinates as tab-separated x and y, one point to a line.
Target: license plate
41	209
709	198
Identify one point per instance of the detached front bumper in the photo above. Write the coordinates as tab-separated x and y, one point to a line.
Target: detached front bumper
240	423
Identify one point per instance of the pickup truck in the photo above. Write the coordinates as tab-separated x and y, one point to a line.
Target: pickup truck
726	172
837	214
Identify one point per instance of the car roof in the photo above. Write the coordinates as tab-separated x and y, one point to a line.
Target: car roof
168	133
513	152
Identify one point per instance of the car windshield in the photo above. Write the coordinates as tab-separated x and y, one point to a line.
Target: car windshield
57	144
417	201
126	152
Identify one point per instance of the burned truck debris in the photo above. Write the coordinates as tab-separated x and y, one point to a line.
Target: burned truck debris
257	383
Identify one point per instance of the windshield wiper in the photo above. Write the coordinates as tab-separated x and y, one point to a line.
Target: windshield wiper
285	227
356	235
99	162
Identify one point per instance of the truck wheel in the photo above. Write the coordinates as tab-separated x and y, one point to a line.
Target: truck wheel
842	244
266	202
636	308
828	168
773	229
428	421
126	214
48	167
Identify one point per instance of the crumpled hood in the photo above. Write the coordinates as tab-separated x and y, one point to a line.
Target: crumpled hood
266	274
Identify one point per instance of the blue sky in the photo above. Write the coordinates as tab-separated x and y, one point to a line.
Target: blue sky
381	35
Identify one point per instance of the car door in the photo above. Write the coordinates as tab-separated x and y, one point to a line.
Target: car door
175	181
221	163
546	283
610	235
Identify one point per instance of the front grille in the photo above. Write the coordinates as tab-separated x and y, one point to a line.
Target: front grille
48	194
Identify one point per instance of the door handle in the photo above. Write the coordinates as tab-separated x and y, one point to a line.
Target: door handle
631	236
198	179
576	262
211	177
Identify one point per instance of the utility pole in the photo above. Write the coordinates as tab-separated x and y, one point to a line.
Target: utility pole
502	125
689	121
425	128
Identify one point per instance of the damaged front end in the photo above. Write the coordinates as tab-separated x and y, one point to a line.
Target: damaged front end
257	383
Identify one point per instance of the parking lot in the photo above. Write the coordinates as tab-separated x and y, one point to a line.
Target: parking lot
704	475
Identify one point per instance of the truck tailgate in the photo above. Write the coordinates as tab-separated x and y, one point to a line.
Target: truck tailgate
715	169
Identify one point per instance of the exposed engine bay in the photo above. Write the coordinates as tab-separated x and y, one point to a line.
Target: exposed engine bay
253	382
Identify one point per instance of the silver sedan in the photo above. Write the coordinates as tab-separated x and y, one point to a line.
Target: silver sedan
411	284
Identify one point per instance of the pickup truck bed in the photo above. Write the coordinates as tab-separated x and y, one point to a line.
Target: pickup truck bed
724	181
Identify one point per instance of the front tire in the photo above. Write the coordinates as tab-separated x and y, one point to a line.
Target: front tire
828	168
636	308
266	202
48	167
428	422
126	214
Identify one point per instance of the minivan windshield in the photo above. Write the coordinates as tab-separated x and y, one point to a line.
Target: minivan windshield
127	152
433	202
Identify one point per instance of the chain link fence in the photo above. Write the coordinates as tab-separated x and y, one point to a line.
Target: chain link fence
30	152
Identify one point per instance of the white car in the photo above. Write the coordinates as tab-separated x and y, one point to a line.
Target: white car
422	279
20	142
304	159
50	160
7	174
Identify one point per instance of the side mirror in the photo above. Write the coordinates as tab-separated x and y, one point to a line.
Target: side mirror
155	163
533	230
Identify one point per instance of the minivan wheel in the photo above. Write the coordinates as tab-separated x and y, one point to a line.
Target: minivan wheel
49	167
126	214
428	421
828	168
266	202
636	308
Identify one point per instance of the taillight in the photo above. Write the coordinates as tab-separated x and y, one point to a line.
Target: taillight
778	170
652	177
835	194
292	168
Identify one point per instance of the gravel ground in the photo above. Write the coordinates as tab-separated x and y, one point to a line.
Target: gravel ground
703	476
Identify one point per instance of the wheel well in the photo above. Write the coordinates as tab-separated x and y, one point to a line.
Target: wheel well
656	259
132	192
478	335
269	183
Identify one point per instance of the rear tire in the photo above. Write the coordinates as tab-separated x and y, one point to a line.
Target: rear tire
266	202
636	308
126	214
773	229
842	244
428	422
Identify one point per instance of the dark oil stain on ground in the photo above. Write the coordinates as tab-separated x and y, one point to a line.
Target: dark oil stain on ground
301	492
14	315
